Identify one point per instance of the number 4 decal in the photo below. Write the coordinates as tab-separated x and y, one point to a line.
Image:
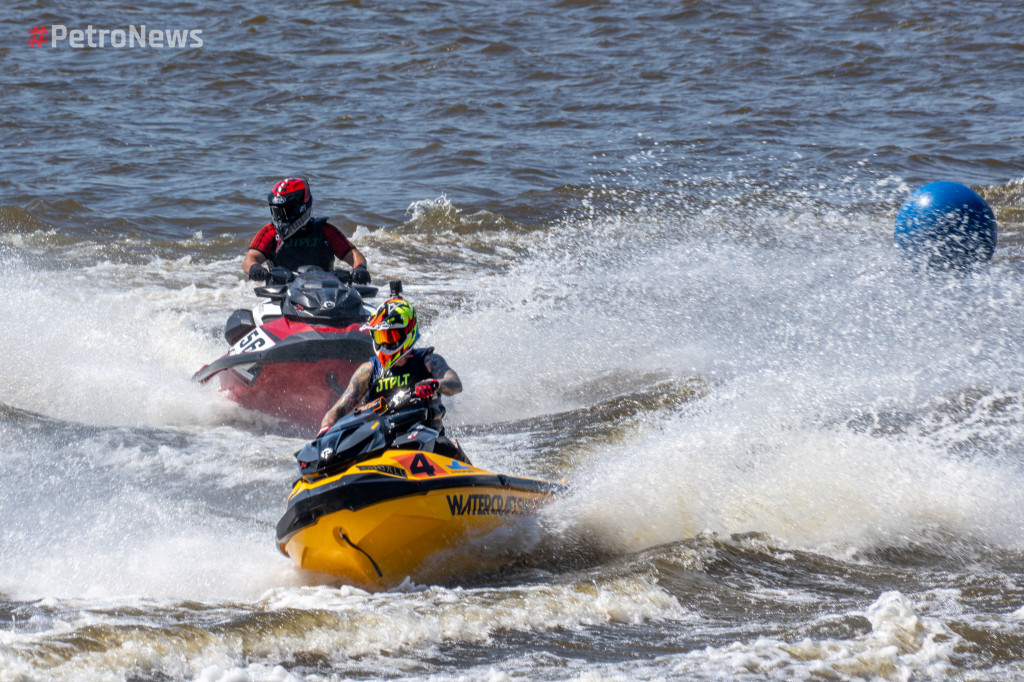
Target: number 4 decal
421	466
418	464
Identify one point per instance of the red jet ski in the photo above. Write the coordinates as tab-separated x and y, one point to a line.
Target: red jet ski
292	355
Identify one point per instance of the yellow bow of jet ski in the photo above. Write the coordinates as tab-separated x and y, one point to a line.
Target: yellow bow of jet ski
382	498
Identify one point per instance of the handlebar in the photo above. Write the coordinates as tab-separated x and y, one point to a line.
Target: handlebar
401	401
279	275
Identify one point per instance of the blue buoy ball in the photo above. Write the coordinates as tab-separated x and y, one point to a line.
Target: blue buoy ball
948	224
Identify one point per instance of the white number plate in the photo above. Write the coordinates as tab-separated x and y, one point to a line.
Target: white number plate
255	340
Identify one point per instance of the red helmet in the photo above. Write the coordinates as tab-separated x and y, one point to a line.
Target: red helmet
290	205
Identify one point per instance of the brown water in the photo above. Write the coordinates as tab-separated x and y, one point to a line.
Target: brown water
655	241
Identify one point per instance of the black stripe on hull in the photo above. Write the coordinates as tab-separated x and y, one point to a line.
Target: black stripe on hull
302	347
362	490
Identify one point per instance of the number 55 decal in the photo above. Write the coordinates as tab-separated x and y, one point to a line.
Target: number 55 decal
255	340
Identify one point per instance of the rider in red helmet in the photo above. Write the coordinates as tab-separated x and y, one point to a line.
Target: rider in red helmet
295	238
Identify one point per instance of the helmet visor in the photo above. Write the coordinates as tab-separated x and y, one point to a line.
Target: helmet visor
388	337
286	213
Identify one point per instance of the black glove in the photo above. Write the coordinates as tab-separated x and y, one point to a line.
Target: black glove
360	275
259	273
425	389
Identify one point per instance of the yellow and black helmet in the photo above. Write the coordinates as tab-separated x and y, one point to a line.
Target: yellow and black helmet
393	326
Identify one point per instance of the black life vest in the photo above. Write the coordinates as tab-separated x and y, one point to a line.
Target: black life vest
412	371
308	246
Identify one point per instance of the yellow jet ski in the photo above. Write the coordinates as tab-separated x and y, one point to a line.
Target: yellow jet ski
382	497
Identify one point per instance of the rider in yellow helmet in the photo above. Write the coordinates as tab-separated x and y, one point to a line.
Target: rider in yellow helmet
396	365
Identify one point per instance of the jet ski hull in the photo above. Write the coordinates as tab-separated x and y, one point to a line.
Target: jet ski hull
409	514
289	369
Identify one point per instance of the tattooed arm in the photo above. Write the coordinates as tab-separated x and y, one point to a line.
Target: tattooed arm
349	400
448	381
